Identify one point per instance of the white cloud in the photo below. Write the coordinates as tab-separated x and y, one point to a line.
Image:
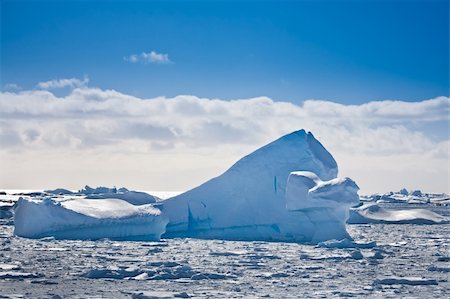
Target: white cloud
150	57
434	109
62	83
106	137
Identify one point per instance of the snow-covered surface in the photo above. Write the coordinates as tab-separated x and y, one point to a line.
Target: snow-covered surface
406	262
374	213
132	197
382	261
164	194
81	218
248	201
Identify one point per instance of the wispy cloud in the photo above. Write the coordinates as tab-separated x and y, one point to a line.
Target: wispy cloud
382	144
150	57
62	83
11	87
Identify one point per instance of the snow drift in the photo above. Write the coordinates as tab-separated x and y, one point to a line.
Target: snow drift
133	197
261	197
373	213
80	218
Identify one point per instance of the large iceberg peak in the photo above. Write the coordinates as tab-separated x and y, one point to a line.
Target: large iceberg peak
248	201
299	150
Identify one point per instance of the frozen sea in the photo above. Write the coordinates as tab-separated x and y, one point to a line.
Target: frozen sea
409	261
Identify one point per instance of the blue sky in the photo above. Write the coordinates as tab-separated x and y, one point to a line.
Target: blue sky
343	51
137	94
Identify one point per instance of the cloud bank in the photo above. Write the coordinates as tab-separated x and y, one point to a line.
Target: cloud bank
150	57
106	137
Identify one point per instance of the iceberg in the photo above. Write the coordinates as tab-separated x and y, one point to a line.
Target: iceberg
263	196
373	213
287	191
81	218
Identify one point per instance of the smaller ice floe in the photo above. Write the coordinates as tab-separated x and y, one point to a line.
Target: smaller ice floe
80	218
373	213
211	276
9	267
154	271
356	255
112	272
159	294
59	191
443	259
43	281
439	269
345	243
270	275
413	281
334	255
229	253
18	275
377	255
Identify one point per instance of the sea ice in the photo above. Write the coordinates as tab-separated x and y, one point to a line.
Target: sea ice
406	281
18	275
345	243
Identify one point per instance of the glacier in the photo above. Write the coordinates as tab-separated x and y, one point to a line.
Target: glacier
264	197
87	219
